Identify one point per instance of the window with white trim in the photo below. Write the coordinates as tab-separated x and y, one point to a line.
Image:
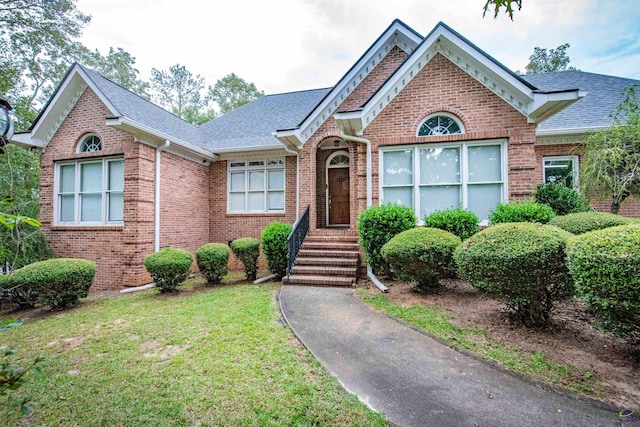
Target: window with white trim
440	124
561	169
256	186
441	176
90	144
89	192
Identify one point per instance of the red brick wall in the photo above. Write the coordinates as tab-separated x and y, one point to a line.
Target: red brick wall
118	251
312	160
630	207
225	227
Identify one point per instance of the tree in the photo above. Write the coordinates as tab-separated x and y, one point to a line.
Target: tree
611	162
542	61
498	4
231	92
180	92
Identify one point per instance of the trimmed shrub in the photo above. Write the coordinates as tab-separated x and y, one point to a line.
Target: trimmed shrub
377	225
423	254
57	282
521	264
169	268
605	265
461	222
562	199
275	247
213	261
247	250
527	211
21	296
582	222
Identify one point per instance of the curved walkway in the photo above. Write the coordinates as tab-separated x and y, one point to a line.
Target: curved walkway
415	380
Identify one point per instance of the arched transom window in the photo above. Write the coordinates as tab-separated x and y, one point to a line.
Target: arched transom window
89	144
440	124
339	160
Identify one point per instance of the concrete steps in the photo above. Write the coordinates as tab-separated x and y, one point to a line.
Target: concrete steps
326	258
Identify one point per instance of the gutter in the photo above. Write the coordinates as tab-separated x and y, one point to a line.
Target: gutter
156	207
367	143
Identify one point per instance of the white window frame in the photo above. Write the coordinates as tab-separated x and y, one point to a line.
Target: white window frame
464	171
444	114
77	208
576	168
243	165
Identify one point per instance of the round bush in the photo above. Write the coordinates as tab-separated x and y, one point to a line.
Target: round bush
522	264
527	211
377	225
422	254
169	268
605	265
562	199
213	261
461	222
582	222
275	247
59	282
22	296
247	250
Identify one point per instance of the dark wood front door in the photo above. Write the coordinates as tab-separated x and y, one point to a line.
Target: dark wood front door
338	196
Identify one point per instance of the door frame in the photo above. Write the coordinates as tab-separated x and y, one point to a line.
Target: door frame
326	177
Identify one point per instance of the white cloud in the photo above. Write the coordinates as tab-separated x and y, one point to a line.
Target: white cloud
287	45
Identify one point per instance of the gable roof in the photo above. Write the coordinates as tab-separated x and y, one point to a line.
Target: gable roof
398	34
589	113
253	124
532	102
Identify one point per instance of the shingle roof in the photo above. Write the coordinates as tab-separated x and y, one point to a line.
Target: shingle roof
139	109
253	123
594	110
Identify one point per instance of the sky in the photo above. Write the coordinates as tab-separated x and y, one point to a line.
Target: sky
291	45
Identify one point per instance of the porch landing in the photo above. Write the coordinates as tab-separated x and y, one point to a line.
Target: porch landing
328	257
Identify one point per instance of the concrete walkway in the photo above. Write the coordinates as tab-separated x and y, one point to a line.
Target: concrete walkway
413	379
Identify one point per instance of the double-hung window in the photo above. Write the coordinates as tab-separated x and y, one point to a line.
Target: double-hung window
561	169
432	177
90	192
256	186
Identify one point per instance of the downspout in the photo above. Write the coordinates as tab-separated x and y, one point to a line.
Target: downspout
156	213
367	144
297	178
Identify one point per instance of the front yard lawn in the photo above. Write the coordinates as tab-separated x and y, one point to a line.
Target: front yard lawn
204	356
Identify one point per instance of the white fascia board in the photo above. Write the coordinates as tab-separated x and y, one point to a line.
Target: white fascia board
127	124
350	122
545	105
24	139
288	138
570	131
395	35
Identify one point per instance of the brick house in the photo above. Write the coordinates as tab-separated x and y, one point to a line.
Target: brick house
430	122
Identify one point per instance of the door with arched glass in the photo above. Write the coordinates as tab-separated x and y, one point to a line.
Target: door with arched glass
338	199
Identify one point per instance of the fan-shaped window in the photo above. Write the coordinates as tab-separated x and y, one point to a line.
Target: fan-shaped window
90	144
339	160
440	124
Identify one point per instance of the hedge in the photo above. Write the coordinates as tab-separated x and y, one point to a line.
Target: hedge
461	222
562	199
247	249
605	265
213	261
58	283
423	254
527	211
169	268
522	264
275	247
377	225
582	222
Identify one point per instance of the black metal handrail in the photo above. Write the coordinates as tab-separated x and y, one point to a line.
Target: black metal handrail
295	239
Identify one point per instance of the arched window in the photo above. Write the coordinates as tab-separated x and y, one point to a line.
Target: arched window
89	144
440	124
339	160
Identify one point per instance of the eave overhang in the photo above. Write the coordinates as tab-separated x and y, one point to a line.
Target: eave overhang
157	138
350	122
546	104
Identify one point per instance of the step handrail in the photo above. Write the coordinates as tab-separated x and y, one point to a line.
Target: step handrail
298	233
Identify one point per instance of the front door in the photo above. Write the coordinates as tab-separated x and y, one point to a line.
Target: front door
339	206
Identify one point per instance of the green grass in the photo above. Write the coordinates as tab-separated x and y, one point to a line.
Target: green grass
533	364
205	356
